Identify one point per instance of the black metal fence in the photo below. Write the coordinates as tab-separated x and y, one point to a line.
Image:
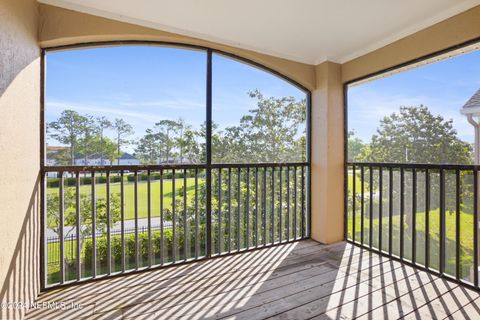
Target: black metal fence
218	210
424	215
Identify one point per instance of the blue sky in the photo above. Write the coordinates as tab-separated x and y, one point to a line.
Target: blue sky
145	84
443	86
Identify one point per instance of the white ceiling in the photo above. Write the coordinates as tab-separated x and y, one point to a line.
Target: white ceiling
309	31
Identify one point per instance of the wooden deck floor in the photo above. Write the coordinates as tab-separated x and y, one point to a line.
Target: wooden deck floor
300	280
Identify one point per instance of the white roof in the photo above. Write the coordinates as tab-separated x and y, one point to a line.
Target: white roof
472	106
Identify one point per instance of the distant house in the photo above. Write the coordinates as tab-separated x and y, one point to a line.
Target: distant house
96	160
51	158
90	160
52	152
128	159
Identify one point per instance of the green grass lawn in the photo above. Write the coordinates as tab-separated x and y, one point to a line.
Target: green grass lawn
358	181
129	193
466	233
466	237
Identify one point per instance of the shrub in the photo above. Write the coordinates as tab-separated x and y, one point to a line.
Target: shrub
71	181
116	245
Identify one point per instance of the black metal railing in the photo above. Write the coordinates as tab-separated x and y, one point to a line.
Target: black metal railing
423	214
115	219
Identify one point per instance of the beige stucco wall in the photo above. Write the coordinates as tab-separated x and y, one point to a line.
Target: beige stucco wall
451	32
19	153
61	26
327	154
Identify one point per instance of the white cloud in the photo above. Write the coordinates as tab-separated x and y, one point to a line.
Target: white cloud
104	110
168	104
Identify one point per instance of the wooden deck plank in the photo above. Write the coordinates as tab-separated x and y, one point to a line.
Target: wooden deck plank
191	271
300	280
238	304
443	304
351	302
470	310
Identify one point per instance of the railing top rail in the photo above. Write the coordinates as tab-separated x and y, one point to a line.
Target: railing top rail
259	165
74	168
415	165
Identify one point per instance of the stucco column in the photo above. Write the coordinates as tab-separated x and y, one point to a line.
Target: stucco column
327	154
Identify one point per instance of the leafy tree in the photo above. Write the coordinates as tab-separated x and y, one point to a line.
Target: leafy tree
180	139
68	130
416	135
189	145
269	133
106	147
102	123
61	157
87	140
355	146
273	127
167	131
123	130
147	149
53	213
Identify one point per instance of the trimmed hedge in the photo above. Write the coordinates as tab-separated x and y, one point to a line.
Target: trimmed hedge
71	181
156	176
116	245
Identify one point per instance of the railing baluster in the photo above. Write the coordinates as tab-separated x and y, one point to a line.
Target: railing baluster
94	228
149	217
442	221
137	245
309	200
390	211
354	209
370	222
77	224
362	201
185	222
229	210
264	207
475	227
427	218
402	211
174	238
256	207
61	228
220	235
280	220
272	220
247	205
197	234
122	217
457	224
288	204
162	222
109	240
380	208
303	202
414	216
294	202
238	208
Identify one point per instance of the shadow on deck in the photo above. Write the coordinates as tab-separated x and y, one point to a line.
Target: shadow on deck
298	280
